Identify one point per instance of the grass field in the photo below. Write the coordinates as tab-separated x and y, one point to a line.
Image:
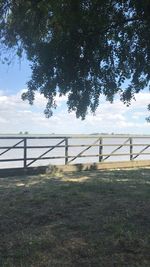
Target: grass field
85	219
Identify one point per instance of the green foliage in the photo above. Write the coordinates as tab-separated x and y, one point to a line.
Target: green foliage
83	48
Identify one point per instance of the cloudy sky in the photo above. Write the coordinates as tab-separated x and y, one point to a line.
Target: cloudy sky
16	115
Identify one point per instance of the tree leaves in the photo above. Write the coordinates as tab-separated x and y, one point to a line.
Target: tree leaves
85	48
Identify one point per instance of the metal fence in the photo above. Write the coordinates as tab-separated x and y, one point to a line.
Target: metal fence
99	142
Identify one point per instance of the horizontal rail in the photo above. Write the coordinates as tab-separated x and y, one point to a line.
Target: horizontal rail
7	160
62	146
74	136
81	156
29	137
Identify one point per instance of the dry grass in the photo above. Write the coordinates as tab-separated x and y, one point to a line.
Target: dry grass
78	219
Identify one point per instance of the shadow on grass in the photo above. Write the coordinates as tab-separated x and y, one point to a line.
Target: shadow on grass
92	218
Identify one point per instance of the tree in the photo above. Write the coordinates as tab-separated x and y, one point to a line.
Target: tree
82	48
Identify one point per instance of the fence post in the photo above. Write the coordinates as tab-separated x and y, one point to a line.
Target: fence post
131	149
100	149
66	150
25	153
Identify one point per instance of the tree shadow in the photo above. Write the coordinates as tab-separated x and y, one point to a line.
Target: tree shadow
75	219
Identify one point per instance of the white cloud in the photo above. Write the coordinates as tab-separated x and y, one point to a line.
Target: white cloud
16	116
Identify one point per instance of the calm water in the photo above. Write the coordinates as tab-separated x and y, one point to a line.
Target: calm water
72	151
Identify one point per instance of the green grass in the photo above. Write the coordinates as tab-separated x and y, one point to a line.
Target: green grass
85	219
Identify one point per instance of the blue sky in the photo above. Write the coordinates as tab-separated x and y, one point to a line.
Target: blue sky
16	115
14	76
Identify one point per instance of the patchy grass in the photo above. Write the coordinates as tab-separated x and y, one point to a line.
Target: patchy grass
91	218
